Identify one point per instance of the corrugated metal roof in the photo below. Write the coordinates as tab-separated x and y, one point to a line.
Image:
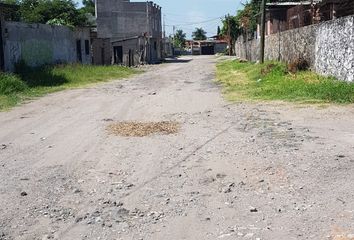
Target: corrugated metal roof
293	3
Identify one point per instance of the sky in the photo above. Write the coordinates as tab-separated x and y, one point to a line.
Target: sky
189	14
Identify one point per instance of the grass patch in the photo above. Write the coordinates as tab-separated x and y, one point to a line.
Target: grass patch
272	81
29	83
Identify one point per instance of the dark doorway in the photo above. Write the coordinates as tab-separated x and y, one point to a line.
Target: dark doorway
78	50
118	54
102	57
207	50
131	58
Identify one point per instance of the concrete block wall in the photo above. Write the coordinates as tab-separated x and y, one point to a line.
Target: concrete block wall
39	44
123	22
328	47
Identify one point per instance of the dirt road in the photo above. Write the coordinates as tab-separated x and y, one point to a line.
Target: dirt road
234	171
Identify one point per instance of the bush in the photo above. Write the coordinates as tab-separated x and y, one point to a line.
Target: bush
10	83
299	64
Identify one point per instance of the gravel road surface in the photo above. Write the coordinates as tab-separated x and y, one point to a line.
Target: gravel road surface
261	171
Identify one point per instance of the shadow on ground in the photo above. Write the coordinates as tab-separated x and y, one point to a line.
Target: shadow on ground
177	60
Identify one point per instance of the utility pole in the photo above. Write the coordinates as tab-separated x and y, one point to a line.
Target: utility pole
164	26
147	45
263	20
229	34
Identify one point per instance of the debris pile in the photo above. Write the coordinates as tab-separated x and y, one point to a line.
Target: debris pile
142	129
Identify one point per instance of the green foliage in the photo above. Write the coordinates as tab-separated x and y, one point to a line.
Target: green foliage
231	29
218	32
13	2
10	84
34	82
58	12
199	34
179	39
272	81
88	7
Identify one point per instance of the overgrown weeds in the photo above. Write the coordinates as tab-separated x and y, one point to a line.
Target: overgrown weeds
274	81
33	82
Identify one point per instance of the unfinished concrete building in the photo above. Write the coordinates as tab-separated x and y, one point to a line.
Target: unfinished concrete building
134	30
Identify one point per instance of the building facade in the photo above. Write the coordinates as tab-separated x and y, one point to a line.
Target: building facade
42	44
134	30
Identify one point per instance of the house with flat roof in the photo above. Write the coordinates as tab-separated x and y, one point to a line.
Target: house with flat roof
134	31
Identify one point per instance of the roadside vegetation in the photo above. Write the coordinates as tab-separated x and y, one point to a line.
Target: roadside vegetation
274	81
29	83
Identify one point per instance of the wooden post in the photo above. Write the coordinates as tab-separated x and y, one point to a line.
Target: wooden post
229	35
263	20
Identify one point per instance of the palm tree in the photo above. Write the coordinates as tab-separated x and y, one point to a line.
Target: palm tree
199	34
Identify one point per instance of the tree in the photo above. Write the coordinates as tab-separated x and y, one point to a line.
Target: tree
13	2
231	30
58	12
179	39
88	7
199	34
218	31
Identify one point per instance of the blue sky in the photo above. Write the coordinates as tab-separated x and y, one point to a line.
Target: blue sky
187	14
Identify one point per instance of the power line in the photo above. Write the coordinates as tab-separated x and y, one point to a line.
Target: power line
194	23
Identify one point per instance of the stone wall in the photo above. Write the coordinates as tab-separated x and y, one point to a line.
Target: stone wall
39	44
328	47
335	48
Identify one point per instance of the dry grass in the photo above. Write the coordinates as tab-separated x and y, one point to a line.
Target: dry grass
142	129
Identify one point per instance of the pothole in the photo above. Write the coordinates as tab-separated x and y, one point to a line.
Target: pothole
142	129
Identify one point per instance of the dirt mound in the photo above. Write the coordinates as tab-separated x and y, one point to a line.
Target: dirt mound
142	129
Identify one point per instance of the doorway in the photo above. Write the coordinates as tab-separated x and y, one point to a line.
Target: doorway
118	54
2	59
78	50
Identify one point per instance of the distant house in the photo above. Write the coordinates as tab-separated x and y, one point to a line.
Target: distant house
133	29
332	9
282	16
206	47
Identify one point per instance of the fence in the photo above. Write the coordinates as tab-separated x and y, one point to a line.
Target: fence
327	46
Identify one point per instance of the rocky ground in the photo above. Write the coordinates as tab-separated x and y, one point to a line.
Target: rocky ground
233	171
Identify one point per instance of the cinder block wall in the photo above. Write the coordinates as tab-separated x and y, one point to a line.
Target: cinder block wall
39	44
126	22
328	47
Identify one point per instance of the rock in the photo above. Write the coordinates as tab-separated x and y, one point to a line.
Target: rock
76	190
23	194
220	175
98	219
253	209
3	146
78	219
242	183
341	156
